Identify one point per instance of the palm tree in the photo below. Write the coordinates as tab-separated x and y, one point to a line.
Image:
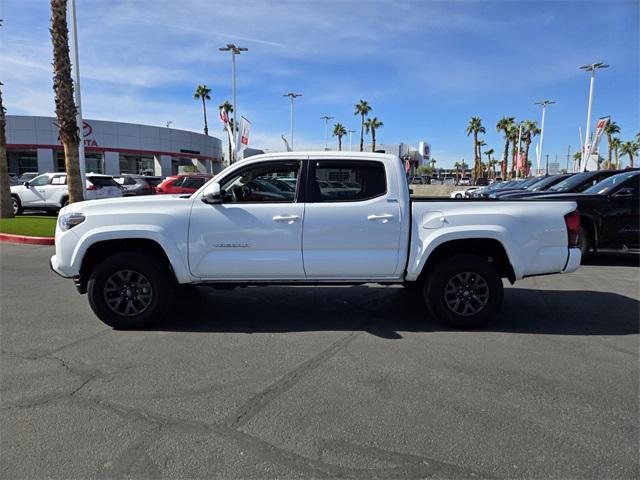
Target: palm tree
475	127
610	130
362	108
6	210
614	144
433	163
371	125
339	131
65	104
457	166
513	136
488	153
629	148
227	108
504	125
202	92
529	130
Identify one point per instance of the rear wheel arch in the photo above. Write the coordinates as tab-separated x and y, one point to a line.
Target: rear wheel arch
489	248
589	226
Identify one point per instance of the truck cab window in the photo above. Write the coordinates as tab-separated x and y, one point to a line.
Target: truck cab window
265	183
345	181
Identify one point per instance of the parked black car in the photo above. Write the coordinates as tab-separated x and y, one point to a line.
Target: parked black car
609	212
484	192
137	184
576	183
543	184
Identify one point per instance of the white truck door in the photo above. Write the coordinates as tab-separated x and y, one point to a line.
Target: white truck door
352	224
256	232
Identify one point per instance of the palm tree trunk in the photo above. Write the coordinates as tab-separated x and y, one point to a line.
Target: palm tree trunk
630	160
65	105
6	210
505	156
362	134
527	144
339	143
608	151
617	159
204	109
373	139
513	157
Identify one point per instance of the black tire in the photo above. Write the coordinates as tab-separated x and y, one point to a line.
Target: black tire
458	195
17	206
479	297
584	242
150	278
64	202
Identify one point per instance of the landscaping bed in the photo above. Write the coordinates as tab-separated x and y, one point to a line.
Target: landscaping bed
31	225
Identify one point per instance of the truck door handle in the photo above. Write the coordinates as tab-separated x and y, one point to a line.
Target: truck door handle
384	217
286	218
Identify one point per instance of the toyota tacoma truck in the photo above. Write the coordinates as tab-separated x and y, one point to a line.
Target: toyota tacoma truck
310	218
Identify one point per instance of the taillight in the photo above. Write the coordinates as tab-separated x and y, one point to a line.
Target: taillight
572	221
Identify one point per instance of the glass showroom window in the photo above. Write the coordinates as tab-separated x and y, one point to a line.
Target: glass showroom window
94	162
22	161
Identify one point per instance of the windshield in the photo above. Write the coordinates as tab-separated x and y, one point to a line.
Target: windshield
608	184
570	183
544	183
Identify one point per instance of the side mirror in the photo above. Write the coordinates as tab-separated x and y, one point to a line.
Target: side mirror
26	184
212	194
623	193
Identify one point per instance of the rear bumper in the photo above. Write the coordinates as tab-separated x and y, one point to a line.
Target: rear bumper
573	260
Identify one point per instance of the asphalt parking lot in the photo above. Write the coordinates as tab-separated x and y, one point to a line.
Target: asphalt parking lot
330	382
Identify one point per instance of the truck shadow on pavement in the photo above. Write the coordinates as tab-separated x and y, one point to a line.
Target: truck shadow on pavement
388	311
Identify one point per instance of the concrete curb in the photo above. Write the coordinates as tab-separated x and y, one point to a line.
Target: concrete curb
8	237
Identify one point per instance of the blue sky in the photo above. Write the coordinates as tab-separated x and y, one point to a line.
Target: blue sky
425	67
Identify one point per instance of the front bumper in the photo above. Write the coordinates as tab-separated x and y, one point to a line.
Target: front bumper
53	265
573	261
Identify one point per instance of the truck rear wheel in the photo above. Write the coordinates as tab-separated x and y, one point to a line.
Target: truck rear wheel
129	290
463	291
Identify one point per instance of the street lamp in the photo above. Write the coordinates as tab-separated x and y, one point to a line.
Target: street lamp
590	68
544	104
75	62
234	51
293	96
169	122
326	119
350	132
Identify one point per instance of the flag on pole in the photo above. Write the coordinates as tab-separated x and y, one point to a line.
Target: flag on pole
243	137
286	144
224	118
597	135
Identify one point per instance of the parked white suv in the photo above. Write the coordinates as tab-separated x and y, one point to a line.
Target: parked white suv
49	191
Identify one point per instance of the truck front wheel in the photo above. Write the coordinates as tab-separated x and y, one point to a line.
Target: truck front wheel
129	290
463	291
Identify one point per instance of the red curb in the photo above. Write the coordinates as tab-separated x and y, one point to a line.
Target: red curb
7	237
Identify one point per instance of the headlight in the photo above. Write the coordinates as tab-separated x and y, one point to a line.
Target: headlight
70	220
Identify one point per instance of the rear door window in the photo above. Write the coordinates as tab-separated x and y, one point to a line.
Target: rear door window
192	182
347	181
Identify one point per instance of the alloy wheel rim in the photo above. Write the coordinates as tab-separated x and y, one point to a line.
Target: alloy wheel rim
128	293
466	293
14	203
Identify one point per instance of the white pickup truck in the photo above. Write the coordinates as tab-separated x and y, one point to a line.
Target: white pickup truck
304	218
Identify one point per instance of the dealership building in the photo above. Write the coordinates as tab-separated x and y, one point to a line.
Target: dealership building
112	148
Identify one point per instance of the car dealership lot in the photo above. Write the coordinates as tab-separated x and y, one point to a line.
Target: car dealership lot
321	382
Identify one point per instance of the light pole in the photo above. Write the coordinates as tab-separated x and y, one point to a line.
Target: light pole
293	96
76	70
169	122
350	133
326	119
544	104
234	51
587	135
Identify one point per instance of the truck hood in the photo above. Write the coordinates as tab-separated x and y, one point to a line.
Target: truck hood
146	203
